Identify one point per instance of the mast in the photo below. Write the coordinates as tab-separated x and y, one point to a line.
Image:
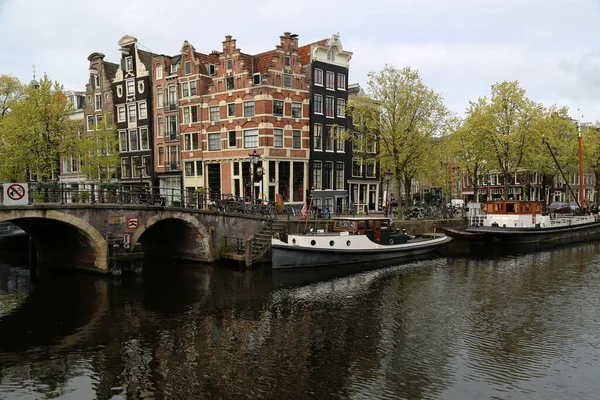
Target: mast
561	171
581	193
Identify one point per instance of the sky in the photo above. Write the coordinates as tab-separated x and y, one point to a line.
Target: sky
459	47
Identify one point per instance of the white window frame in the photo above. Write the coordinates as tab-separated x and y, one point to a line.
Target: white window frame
160	99
142	110
289	77
340	109
298	107
129	63
131	133
318	136
159	71
130	87
211	110
185	67
98	101
249	137
318	79
329	80
318	104
214	138
278	137
91	126
160	127
142	147
230	115
121	114
341	81
129	109
247	103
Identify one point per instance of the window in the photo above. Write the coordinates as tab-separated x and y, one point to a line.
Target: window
287	80
121	113
296	110
187	141
119	91
318	104
159	71
329	143
172	97
199	168
318	136
232	141
135	166
194	113
341	81
328	175
125	168
189	168
130	87
185	89
356	168
186	115
194	140
188	67
341	107
193	88
160	129
318	77
144	139
249	108
296	139
329	80
143	110
91	123
141	86
330	55
128	63
98	102
257	79
214	141
317	175
339	144
370	169
231	110
211	69
123	141
229	82
98	121
172	127
278	108
109	120
329	106
95	81
277	137
287	61
174	68
339	175
251	138
133	140
132	113
214	113
159	98
229	63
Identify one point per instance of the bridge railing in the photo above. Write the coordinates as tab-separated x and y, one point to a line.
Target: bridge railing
116	193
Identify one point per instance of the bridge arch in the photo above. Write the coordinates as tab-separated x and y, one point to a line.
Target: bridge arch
61	238
175	235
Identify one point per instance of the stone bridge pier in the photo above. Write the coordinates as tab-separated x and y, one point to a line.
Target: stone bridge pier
90	236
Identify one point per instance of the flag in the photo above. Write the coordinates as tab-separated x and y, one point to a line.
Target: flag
304	210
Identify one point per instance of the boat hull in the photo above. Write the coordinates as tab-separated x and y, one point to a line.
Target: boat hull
500	236
286	255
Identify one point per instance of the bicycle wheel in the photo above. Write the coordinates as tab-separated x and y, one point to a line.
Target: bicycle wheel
230	207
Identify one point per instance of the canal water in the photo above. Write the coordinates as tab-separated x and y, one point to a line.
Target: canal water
480	326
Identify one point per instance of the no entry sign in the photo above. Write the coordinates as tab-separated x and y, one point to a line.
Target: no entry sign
15	194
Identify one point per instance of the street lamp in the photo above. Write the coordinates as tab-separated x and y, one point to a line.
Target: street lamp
254	157
388	178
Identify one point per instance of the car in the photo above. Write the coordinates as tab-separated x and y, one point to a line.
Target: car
559	207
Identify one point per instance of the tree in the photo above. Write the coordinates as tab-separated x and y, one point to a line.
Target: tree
98	153
591	150
11	91
35	133
402	117
507	123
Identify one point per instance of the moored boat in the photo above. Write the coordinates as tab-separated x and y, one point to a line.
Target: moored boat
522	222
352	241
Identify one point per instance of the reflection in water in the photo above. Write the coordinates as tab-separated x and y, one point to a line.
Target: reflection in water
519	325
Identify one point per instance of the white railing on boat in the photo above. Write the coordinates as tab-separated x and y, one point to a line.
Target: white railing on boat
480	220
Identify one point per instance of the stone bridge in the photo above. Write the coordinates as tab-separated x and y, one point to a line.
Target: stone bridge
88	235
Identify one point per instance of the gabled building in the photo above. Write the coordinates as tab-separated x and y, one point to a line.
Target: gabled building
330	157
70	168
132	88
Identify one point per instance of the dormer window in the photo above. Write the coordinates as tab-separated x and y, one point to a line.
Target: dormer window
330	55
174	68
229	63
188	67
95	81
128	63
159	71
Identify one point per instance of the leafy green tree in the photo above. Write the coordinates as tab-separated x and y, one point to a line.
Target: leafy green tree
401	116
35	132
507	123
591	154
11	90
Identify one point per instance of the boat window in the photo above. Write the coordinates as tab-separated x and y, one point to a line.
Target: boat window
313	242
510	207
331	243
293	241
362	225
348	243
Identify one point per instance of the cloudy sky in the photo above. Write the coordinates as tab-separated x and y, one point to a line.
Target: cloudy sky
460	47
